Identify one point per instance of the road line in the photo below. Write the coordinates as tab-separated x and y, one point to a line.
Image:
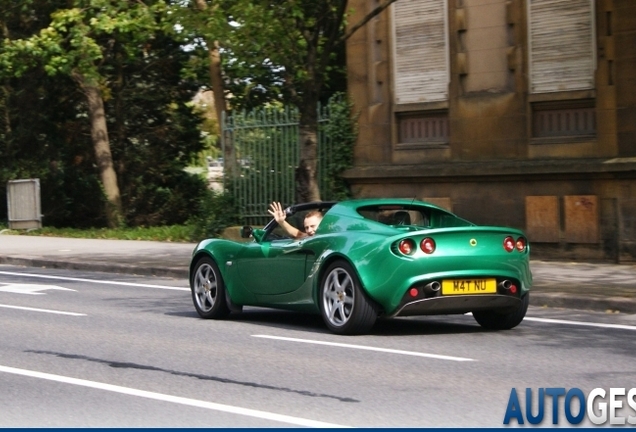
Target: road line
94	281
367	348
581	323
42	310
297	421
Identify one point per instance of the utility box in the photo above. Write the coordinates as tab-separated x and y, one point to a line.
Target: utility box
23	204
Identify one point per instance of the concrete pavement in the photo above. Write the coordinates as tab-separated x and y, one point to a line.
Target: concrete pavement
598	286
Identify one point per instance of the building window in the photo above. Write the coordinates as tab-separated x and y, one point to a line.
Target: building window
420	51
576	119
423	128
561	45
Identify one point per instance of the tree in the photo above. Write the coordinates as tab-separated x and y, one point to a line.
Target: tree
302	38
272	49
74	44
146	91
40	124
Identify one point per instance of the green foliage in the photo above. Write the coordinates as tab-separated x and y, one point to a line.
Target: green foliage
45	131
174	233
156	135
216	211
342	131
297	41
149	59
73	41
267	54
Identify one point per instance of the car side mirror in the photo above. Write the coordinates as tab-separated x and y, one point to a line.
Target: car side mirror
246	231
258	234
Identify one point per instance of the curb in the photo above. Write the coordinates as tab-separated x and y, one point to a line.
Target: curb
594	303
173	272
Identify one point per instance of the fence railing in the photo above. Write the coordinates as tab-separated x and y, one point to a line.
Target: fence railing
266	148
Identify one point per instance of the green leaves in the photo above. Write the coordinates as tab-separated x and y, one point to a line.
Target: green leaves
120	48
73	42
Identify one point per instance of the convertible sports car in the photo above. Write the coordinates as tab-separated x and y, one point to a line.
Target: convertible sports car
369	258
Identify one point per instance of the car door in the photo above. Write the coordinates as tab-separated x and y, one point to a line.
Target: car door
272	267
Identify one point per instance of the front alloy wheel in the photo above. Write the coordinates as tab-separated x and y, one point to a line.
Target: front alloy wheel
343	305
208	290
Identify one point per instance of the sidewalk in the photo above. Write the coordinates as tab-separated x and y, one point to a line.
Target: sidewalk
601	287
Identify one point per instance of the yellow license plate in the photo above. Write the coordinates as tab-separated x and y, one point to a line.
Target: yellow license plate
469	286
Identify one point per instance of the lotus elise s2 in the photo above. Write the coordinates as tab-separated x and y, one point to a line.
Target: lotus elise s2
369	258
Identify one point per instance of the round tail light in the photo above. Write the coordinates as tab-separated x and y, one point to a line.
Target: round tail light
509	244
406	246
427	245
521	244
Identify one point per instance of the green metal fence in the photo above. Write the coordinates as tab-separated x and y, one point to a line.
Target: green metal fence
266	150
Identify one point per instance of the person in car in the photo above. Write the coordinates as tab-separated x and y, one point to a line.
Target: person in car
310	223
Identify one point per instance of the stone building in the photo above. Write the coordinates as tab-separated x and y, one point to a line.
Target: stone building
519	113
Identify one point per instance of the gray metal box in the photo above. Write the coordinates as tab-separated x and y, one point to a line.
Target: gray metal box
23	202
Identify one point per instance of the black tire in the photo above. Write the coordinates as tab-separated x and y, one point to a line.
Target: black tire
344	306
493	320
208	290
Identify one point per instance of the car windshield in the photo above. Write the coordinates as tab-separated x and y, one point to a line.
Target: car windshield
411	217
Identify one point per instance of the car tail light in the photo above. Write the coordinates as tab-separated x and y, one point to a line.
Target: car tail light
509	244
427	245
406	246
521	244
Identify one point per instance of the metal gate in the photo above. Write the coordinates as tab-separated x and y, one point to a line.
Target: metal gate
266	151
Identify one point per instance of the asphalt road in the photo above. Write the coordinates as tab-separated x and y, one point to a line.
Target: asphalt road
86	349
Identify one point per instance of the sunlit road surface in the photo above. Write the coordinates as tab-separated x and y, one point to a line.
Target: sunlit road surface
86	349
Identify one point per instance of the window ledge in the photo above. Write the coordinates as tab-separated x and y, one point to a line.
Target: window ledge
422	145
578	139
562	96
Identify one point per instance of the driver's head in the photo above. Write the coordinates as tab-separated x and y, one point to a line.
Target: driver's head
312	220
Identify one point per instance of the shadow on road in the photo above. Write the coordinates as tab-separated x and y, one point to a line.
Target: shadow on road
383	327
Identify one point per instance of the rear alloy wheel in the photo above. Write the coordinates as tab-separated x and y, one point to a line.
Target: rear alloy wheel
208	290
344	306
493	320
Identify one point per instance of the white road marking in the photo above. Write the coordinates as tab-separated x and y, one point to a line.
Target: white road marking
581	323
30	289
94	281
42	310
297	421
367	348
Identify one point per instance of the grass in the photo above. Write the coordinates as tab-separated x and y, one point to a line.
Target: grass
174	233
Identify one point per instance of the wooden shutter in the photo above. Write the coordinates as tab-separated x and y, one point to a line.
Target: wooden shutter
561	39
420	55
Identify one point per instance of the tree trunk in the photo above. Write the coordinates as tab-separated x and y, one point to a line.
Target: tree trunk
6	90
99	135
307	189
218	90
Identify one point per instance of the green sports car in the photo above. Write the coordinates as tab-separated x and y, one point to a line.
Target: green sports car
369	258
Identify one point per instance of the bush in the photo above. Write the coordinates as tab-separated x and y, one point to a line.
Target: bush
342	131
216	212
167	198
